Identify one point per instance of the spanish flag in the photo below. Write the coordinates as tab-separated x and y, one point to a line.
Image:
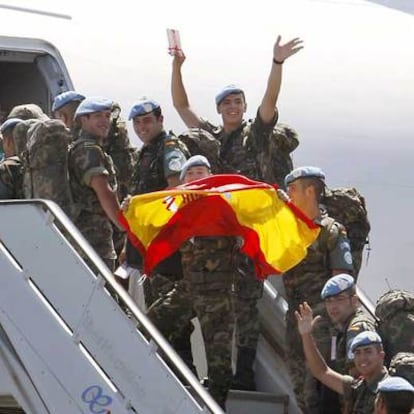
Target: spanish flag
275	233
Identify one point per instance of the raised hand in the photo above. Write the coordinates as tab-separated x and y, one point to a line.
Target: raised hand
178	59
284	51
305	319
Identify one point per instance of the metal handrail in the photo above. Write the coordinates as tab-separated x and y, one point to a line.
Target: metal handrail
61	218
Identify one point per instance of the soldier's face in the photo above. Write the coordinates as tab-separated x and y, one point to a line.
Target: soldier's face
148	126
340	307
232	108
368	360
298	194
195	173
97	123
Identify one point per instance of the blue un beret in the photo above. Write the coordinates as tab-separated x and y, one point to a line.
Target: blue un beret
9	124
64	98
226	91
364	339
194	161
336	285
304	172
143	106
93	104
391	384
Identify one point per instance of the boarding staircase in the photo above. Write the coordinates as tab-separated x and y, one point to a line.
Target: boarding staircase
66	346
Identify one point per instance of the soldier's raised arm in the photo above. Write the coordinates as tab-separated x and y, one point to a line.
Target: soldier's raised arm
179	94
316	363
281	52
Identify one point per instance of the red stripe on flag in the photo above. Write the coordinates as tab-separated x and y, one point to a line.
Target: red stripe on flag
206	216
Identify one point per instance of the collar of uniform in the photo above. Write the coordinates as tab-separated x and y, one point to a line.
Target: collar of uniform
155	141
348	321
87	136
236	131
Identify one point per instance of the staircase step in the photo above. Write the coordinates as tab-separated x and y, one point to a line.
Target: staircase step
248	402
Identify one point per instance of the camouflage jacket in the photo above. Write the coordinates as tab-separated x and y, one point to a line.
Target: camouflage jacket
240	148
161	158
330	251
87	159
276	160
359	395
11	178
208	263
358	322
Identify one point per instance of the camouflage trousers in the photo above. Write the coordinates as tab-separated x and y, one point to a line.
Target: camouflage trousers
247	292
307	389
215	312
97	230
172	316
171	313
157	287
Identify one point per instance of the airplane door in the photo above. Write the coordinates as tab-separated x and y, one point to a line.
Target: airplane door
31	71
53	76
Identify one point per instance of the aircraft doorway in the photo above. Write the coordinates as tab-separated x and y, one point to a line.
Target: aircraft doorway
31	71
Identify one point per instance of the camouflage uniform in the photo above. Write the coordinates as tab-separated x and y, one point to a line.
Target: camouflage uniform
208	263
276	161
358	322
205	292
302	283
239	155
87	159
119	148
172	314
153	167
359	395
11	178
395	311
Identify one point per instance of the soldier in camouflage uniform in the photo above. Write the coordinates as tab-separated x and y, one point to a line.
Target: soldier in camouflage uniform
328	255
160	160
92	178
158	166
116	145
241	142
11	177
342	307
205	292
64	107
358	394
395	395
349	319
